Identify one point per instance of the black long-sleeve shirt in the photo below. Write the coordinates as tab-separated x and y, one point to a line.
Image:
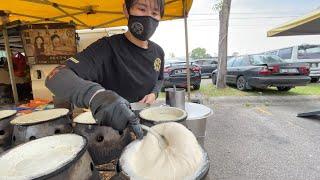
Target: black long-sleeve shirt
119	65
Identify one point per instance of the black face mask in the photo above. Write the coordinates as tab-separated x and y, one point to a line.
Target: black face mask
142	27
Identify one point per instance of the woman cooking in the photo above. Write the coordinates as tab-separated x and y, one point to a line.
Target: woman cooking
116	70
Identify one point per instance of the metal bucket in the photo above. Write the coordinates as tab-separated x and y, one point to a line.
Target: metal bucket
197	120
6	128
105	144
49	124
175	97
147	116
77	165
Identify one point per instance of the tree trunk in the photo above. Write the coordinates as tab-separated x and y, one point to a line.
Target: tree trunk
223	43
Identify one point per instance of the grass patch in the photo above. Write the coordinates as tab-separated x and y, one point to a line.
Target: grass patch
209	90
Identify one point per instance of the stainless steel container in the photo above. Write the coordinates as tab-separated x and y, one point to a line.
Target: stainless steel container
197	120
6	128
175	97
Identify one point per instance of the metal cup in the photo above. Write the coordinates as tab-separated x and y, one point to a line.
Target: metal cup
175	97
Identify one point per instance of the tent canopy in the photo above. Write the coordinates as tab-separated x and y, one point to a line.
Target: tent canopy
85	14
305	25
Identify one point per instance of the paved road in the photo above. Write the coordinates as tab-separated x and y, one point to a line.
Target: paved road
263	142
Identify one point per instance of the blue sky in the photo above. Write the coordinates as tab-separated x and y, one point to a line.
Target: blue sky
249	22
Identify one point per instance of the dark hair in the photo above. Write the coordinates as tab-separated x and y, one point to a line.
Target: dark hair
130	3
35	41
54	36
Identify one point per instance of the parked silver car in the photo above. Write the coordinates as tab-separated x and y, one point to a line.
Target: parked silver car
304	54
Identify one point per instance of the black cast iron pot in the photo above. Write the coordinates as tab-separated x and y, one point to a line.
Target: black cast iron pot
104	143
79	167
47	125
162	114
6	128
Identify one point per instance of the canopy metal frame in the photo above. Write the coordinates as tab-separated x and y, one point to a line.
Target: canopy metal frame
4	19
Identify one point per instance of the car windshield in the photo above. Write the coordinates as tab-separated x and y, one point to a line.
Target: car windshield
263	59
205	62
177	63
208	62
174	62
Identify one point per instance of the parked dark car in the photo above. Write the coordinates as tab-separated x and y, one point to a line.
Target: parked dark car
207	66
262	71
175	73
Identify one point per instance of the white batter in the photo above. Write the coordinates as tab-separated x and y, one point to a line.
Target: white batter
181	159
40	157
85	118
158	114
6	113
39	116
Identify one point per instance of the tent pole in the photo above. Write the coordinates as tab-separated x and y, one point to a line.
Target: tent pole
10	66
187	46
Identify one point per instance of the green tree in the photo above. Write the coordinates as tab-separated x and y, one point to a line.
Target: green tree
199	53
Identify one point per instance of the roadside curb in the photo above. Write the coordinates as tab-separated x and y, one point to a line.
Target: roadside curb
255	99
262	99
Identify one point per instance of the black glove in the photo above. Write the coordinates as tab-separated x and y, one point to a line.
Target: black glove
136	127
110	109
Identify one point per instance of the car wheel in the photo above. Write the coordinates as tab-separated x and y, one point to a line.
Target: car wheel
214	79
196	86
314	80
282	88
242	83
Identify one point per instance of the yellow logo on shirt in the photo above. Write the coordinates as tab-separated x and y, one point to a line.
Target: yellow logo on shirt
157	64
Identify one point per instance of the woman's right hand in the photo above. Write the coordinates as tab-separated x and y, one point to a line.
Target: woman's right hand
110	109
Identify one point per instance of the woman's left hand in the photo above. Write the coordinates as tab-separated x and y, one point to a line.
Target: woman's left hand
149	98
